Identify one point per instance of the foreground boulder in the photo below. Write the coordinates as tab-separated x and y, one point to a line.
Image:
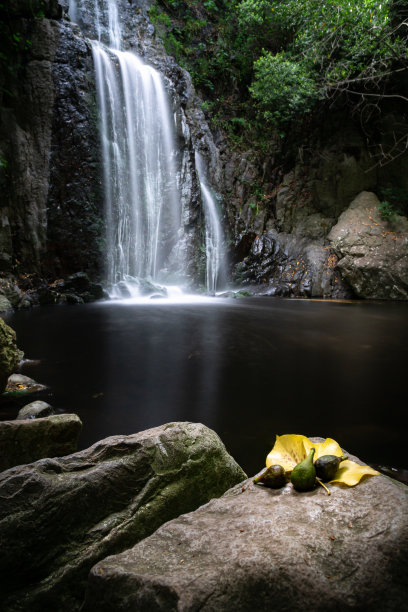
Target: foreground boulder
263	549
24	441
58	517
373	252
10	355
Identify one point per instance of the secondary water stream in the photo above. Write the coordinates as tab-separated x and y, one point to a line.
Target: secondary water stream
249	369
215	257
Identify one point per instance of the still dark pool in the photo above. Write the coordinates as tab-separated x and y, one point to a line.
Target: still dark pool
249	369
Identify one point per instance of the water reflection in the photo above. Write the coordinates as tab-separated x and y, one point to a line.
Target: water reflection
249	369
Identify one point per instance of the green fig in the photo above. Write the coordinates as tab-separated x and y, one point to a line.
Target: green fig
273	477
327	466
303	476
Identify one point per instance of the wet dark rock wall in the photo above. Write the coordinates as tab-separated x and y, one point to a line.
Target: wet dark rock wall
282	207
51	222
75	204
27	100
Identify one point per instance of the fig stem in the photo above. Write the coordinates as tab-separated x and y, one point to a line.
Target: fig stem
323	485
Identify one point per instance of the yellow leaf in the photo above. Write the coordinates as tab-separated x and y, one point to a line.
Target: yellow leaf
291	449
328	447
350	473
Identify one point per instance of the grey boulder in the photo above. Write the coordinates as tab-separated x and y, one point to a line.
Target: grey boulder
58	517
259	549
23	384
25	441
373	252
35	410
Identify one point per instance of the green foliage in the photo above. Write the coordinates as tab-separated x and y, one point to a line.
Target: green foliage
263	65
387	211
327	47
13	45
3	162
282	88
395	202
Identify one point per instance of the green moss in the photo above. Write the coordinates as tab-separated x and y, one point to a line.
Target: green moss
10	355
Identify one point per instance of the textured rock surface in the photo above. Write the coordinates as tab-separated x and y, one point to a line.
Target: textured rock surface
298	202
75	199
373	252
19	384
35	410
25	140
10	355
5	304
289	265
50	211
58	517
262	549
26	441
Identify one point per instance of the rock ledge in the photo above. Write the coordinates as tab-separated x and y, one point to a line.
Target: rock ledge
260	549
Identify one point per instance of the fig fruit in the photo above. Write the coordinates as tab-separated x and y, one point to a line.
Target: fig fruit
273	477
327	466
303	476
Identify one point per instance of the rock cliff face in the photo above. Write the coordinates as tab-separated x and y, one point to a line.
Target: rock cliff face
50	204
277	211
281	210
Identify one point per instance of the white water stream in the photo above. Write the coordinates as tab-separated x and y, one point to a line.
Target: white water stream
213	231
142	195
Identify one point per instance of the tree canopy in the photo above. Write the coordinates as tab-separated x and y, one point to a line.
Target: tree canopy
266	63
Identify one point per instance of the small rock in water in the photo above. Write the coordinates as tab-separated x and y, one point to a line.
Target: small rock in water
19	383
35	410
5	304
20	379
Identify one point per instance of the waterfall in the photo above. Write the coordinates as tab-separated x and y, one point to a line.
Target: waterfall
141	197
143	208
213	231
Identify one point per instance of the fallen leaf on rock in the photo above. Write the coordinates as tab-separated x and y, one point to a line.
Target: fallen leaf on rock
350	473
291	449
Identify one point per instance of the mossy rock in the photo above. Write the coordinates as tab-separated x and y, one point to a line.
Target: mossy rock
60	516
10	355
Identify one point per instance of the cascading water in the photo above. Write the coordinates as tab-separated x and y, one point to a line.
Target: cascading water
142	204
213	231
142	195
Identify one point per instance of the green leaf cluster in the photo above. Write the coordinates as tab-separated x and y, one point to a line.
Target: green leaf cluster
395	202
262	65
282	88
327	47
